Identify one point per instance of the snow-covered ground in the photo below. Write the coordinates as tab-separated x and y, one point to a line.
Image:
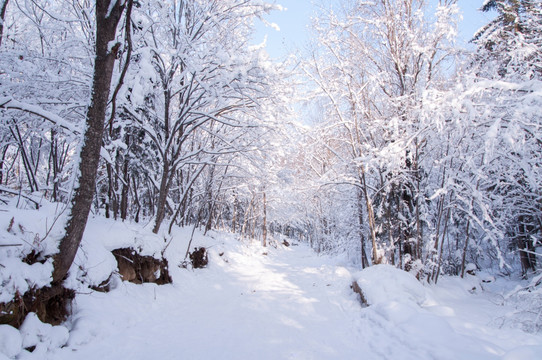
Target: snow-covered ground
268	303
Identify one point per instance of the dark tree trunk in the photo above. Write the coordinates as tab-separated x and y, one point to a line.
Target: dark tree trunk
525	244
115	184
264	226
125	189
162	197
234	215
4	152
364	259
107	20
109	190
3	8
53	166
26	162
167	171
136	200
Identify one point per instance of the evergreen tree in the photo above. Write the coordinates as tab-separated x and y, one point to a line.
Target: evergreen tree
511	41
509	50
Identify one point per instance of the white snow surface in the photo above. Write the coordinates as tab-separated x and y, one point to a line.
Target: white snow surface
259	303
382	283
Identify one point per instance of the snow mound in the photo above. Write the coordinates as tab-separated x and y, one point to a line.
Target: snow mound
24	232
11	342
524	352
18	277
384	283
42	336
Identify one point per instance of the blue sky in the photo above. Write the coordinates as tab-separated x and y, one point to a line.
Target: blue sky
293	24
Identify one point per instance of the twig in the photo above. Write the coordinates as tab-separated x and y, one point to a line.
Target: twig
19	193
125	258
190	242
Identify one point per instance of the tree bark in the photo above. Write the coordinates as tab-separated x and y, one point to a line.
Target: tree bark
125	188
465	249
3	8
370	216
167	171
264	228
2	160
107	18
364	260
162	196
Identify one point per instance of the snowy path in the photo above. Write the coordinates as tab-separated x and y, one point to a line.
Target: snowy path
290	304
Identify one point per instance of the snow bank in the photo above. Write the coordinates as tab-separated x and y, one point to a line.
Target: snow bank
28	231
94	262
11	342
18	277
451	318
524	352
383	283
39	231
42	336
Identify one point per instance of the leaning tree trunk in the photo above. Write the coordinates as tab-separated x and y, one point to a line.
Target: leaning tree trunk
107	19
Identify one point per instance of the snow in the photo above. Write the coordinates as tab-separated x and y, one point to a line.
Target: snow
27	228
20	277
10	103
381	283
42	336
10	341
260	303
112	4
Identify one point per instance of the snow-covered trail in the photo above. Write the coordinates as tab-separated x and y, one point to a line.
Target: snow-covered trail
288	304
284	305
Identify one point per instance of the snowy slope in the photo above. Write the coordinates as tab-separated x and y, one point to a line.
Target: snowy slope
288	303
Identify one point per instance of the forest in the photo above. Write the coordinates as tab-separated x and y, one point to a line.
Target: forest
383	141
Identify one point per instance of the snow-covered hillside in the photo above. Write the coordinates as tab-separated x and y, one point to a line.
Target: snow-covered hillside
252	302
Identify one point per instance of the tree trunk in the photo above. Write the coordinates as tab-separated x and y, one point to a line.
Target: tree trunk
3	8
26	162
419	227
167	170
264	228
136	200
125	189
364	259
370	216
210	199
444	233
162	197
53	166
234	215
525	245
245	220
107	19
4	152
465	249
109	191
